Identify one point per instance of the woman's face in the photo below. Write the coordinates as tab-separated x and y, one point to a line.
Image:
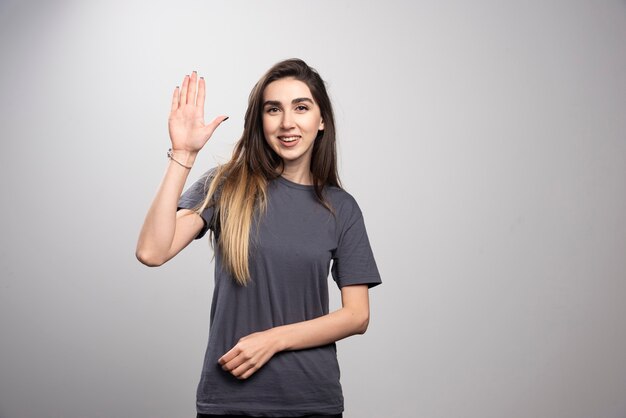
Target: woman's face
291	121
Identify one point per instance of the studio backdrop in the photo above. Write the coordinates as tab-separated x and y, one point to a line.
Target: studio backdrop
485	142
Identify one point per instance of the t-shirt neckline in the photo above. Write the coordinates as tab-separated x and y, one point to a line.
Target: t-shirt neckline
294	185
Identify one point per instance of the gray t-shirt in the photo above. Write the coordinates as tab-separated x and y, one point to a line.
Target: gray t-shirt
292	245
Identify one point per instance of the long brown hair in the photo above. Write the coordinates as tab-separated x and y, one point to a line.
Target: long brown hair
242	181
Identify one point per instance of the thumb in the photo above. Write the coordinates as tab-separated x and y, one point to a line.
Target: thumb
214	124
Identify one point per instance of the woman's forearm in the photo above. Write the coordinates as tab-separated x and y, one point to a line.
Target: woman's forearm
159	227
253	351
323	330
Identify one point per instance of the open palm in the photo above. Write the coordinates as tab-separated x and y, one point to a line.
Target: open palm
186	121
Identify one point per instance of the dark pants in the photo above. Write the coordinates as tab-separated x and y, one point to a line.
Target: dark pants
246	416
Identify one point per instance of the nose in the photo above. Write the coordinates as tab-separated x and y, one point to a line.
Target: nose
287	121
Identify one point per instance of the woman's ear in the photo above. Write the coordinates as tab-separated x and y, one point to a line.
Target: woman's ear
321	128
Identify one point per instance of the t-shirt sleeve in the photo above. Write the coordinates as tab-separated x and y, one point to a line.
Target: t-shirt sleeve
353	259
194	196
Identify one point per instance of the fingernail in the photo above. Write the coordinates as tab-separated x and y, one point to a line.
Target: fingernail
226	118
201	78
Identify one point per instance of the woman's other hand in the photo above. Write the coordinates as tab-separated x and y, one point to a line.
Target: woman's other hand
187	129
250	354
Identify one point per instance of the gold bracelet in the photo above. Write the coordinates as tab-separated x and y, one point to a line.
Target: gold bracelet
170	155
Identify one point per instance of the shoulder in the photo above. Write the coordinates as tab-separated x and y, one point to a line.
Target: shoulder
199	189
205	180
210	174
344	204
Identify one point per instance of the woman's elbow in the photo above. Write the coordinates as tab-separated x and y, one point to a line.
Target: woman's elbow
148	259
362	322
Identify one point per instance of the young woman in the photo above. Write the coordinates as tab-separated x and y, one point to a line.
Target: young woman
277	216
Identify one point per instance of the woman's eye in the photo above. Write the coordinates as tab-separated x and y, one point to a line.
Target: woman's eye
272	110
302	108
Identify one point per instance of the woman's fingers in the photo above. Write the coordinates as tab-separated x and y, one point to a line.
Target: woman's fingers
248	373
248	355
244	370
175	99
201	95
183	91
238	363
186	121
233	359
231	354
240	366
186	94
211	127
191	94
215	123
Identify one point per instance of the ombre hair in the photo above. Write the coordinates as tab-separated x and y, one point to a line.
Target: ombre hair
238	188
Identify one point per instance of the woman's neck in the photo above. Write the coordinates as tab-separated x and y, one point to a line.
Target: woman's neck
300	174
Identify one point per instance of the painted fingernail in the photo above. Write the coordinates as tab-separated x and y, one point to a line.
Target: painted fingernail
201	78
226	118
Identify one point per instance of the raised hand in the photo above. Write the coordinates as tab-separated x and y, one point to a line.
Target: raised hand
187	129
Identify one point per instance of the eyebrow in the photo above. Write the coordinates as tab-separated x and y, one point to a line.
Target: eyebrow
294	101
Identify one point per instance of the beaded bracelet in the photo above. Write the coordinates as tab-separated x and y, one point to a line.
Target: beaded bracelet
170	155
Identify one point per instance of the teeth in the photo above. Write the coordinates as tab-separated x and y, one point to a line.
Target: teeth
289	138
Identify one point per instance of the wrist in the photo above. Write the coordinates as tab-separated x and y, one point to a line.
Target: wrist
181	157
279	340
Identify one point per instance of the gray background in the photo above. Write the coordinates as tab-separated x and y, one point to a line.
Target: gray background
485	142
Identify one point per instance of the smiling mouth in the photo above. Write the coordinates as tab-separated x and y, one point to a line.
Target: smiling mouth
288	138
